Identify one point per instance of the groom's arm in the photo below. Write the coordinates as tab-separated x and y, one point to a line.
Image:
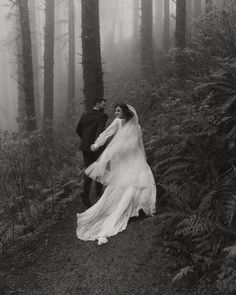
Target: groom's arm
79	128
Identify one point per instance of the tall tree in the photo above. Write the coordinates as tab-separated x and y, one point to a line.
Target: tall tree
159	7
35	55
166	30
136	4
180	31
27	67
71	64
197	8
188	13
91	53
146	36
180	35
20	79
48	68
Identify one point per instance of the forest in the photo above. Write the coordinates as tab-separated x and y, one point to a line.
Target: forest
175	62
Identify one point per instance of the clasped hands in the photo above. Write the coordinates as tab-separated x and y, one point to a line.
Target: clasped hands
93	147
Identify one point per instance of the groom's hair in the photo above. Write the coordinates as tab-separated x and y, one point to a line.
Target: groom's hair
100	100
126	111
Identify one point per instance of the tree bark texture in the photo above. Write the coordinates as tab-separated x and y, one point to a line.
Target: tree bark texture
27	66
91	53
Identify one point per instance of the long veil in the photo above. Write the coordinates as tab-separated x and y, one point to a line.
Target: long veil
123	161
140	138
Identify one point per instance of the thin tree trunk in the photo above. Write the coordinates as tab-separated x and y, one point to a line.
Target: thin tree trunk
91	57
197	8
146	36
71	64
189	14
136	23
28	82
36	67
20	79
180	36
159	7
49	69
166	31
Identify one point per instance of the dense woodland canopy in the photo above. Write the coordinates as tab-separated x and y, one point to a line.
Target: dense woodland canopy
175	62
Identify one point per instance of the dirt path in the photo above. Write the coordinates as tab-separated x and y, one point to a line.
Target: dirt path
133	262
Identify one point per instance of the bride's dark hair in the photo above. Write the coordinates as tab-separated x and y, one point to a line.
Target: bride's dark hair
126	111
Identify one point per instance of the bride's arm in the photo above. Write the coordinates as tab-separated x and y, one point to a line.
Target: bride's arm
102	138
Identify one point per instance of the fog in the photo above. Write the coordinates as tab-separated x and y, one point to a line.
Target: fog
115	27
117	31
8	84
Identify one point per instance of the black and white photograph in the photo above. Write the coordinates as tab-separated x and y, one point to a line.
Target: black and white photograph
117	147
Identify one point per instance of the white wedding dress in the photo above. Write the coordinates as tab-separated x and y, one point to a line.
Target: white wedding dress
129	182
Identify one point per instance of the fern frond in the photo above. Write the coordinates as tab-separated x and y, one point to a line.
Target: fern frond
183	272
230	209
231	251
192	226
165	164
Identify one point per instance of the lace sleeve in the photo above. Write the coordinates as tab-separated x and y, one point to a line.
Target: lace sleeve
110	130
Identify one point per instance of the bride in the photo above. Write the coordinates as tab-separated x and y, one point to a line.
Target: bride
129	182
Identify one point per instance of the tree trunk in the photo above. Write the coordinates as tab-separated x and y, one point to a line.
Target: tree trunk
20	79
189	14
180	32
48	69
36	66
136	7
71	64
180	36
166	31
197	8
159	22
91	57
146	36
27	67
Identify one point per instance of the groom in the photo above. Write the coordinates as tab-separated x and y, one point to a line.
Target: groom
90	125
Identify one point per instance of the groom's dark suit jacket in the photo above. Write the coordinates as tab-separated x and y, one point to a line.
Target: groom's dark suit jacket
90	125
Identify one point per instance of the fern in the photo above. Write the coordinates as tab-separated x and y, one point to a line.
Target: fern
193	226
177	160
183	272
231	251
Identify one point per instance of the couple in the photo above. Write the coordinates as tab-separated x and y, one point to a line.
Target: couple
121	168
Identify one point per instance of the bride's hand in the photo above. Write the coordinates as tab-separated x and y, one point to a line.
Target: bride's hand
93	148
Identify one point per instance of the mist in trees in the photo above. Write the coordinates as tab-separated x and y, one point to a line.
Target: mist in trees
42	79
174	61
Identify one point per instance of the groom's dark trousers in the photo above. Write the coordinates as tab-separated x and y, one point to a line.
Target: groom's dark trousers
89	158
90	125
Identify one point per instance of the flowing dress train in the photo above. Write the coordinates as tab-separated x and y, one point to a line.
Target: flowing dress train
129	182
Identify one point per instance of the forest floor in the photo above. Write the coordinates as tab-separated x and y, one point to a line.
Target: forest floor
57	263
